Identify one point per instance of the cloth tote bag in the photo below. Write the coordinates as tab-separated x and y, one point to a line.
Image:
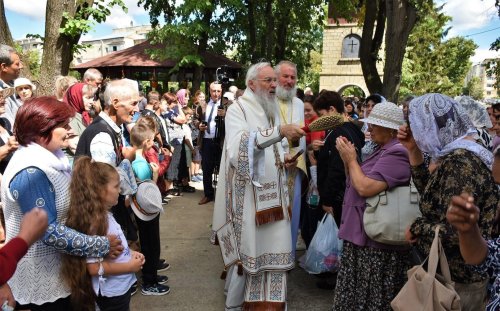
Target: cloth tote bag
426	290
389	213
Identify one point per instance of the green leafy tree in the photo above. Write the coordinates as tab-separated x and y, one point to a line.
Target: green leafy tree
434	65
493	67
310	77
474	88
255	29
190	29
65	22
393	18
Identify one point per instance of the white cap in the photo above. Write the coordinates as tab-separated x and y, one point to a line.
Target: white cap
24	81
229	95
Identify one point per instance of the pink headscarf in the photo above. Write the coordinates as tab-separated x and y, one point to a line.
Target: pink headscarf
181	97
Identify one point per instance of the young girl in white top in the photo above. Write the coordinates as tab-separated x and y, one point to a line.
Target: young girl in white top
94	190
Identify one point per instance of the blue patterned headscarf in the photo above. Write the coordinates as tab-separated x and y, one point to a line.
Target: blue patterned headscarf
439	124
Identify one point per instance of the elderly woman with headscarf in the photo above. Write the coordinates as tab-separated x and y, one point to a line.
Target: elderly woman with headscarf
479	117
80	97
440	127
371	273
183	97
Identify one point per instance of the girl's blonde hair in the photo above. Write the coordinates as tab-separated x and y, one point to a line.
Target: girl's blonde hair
89	215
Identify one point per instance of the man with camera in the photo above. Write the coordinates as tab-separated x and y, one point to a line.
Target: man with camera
291	111
210	143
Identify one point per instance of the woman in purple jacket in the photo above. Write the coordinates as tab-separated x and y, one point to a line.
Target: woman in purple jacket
371	273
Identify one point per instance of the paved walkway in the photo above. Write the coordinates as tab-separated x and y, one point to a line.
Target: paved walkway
196	265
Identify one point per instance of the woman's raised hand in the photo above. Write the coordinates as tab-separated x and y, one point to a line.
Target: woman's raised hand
346	150
405	137
462	213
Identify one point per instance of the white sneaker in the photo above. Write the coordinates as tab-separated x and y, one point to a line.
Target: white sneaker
301	245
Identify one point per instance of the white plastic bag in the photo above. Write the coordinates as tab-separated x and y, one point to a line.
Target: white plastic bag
324	252
313	193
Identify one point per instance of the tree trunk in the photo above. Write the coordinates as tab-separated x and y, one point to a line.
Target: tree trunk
266	31
401	18
202	47
269	35
281	31
6	38
57	48
252	34
368	51
5	35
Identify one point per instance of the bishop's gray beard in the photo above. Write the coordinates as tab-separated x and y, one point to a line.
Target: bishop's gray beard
285	94
267	102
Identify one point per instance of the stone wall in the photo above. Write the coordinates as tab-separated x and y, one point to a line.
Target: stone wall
338	73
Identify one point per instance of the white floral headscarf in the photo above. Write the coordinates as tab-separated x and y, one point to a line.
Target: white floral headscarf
477	113
439	124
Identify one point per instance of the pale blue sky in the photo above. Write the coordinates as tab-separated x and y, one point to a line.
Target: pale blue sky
470	17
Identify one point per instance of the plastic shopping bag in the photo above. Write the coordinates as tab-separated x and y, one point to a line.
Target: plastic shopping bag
324	252
312	194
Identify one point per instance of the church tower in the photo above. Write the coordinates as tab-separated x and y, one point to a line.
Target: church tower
341	66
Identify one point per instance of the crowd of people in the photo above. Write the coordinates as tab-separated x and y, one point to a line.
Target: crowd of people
86	173
85	176
445	146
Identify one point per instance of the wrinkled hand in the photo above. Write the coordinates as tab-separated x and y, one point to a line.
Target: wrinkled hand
136	261
292	132
405	137
289	161
312	158
328	209
6	295
12	144
409	236
166	152
346	150
462	213
33	225
115	246
317	144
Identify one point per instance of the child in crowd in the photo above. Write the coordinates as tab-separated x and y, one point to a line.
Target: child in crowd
142	139
94	190
174	119
188	144
158	155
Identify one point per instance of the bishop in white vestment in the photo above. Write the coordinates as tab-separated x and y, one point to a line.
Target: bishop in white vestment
251	221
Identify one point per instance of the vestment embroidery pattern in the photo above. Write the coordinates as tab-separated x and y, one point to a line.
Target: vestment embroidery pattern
228	246
268	259
276	286
268	197
240	179
239	196
256	285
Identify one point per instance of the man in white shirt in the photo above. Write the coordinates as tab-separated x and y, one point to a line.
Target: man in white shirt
211	145
10	69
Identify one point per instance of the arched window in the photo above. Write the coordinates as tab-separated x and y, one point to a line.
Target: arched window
350	46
